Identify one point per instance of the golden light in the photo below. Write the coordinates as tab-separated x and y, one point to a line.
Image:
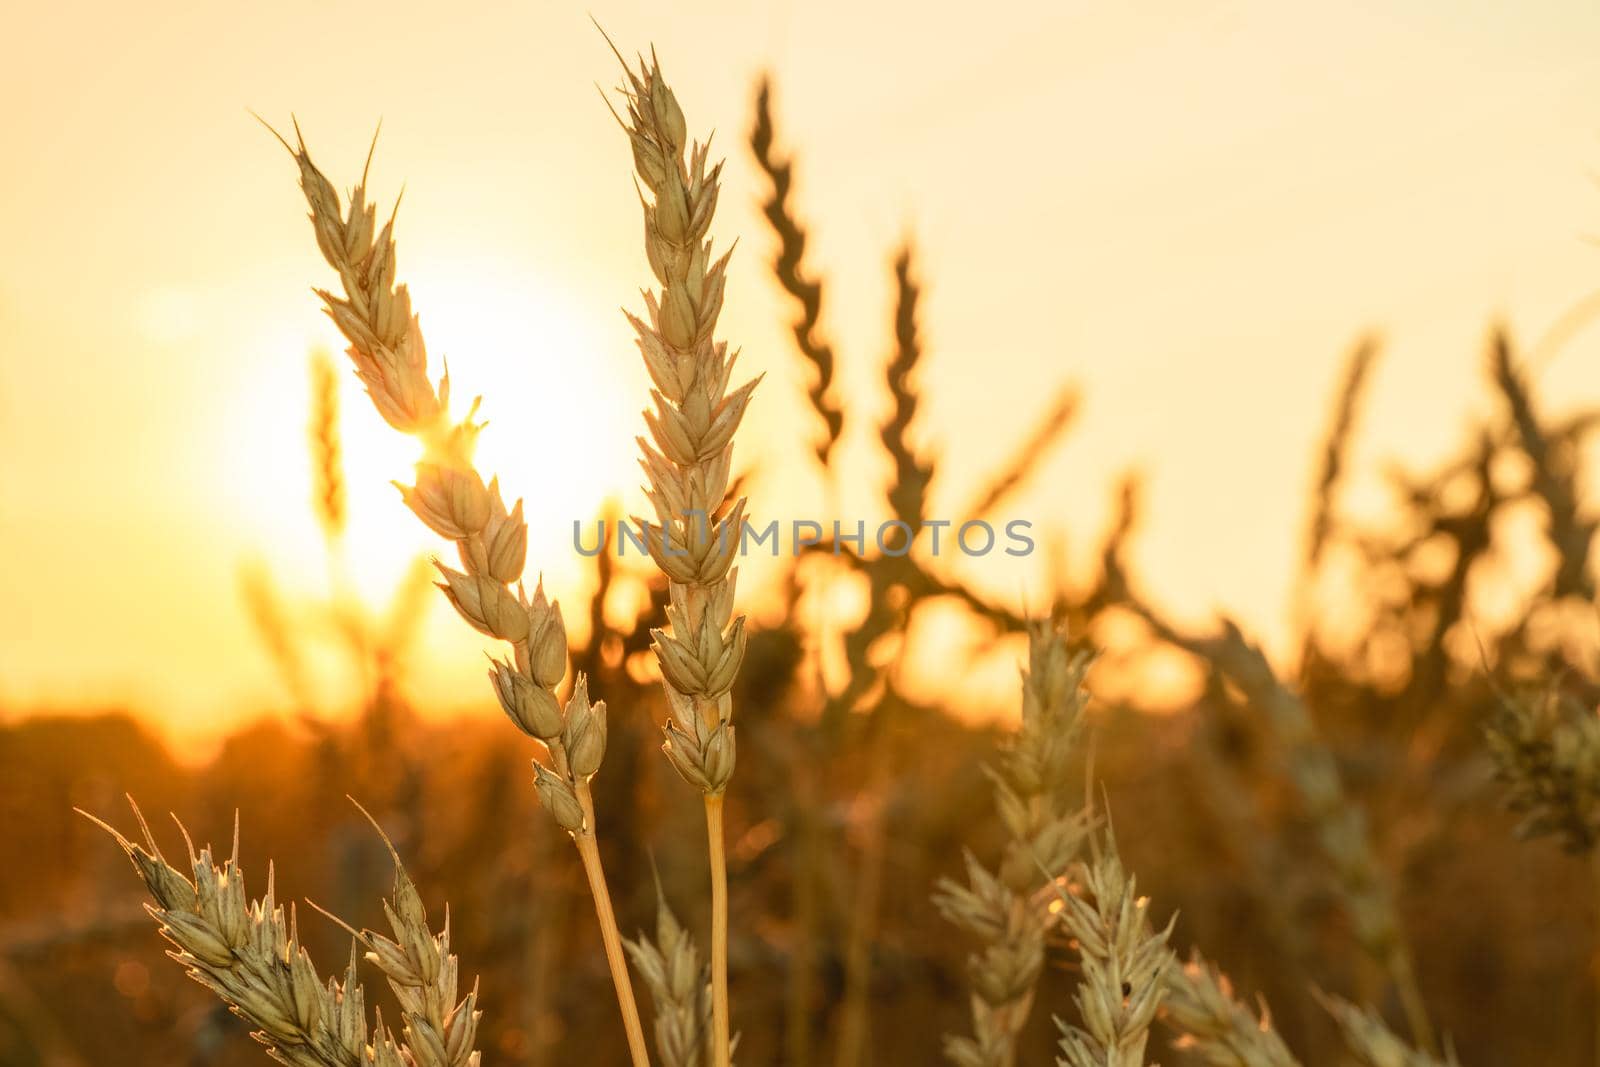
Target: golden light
547	380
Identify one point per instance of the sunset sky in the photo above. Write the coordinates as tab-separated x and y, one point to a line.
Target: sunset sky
1190	209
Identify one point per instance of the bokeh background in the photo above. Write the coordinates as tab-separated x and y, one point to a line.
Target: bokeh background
1178	230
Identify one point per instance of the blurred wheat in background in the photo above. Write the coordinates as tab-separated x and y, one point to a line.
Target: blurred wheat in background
1388	830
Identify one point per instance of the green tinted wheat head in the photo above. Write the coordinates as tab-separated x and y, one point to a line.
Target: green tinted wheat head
450	497
687	459
1009	909
423	974
1129	973
248	952
1200	1005
680	987
1340	824
1125	962
1546	749
1372	1043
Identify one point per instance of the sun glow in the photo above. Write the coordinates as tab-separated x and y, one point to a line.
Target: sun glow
546	380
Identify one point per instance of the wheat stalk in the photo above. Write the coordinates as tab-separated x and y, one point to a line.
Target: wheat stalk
1554	477
1340	826
423	974
248	953
686	460
1009	908
1546	750
1335	446
909	493
786	267
450	497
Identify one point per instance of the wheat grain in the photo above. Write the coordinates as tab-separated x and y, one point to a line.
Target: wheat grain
449	496
1128	971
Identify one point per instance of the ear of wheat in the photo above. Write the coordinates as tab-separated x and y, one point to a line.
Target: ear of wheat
1008	909
1372	1043
1555	472
1546	749
451	498
1341	827
248	952
680	987
423	973
1200	1005
1335	447
687	460
908	498
1125	963
786	267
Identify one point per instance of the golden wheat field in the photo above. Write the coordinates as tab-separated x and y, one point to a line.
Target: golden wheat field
885	535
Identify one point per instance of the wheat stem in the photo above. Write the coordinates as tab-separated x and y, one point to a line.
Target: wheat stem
721	1043
610	935
1009	907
